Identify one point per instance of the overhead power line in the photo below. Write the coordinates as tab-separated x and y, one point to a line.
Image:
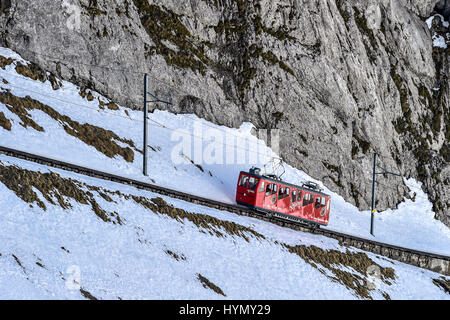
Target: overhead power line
156	123
121	70
135	72
131	71
78	92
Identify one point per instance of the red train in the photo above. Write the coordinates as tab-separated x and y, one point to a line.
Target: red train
271	195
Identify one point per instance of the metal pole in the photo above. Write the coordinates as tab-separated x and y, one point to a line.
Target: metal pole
145	125
372	214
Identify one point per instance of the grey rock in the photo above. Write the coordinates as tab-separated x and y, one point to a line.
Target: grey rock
340	79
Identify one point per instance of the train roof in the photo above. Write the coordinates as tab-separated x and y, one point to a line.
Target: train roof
284	183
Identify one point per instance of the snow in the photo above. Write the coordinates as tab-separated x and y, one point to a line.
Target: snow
438	40
411	225
129	261
429	21
223	153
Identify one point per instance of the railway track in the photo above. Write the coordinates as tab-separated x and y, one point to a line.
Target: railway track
435	262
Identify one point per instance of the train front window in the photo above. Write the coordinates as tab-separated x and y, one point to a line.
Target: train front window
323	202
269	189
244	180
306	199
253	183
299	195
293	195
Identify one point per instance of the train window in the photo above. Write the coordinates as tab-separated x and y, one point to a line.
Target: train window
261	187
306	199
253	183
284	193
299	195
294	196
317	204
323	202
243	182
328	205
271	189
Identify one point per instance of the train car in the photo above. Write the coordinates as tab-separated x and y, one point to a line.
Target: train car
271	195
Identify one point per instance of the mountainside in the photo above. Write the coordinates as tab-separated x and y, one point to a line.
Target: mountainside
81	237
57	119
339	79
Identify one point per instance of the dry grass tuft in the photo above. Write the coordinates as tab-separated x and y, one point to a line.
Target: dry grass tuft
4	62
19	262
31	71
88	95
209	285
176	256
386	296
110	105
334	260
4	122
199	167
443	284
87	294
34	72
102	140
204	222
22	113
54	188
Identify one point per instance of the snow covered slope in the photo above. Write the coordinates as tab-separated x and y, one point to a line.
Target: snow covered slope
42	115
46	116
67	236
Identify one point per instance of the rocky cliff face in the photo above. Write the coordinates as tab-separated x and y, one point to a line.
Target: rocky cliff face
339	79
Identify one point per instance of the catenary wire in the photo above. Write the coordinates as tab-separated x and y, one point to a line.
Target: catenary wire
128	118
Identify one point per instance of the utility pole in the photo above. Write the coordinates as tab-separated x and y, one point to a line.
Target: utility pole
146	102
374	173
372	209
145	125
